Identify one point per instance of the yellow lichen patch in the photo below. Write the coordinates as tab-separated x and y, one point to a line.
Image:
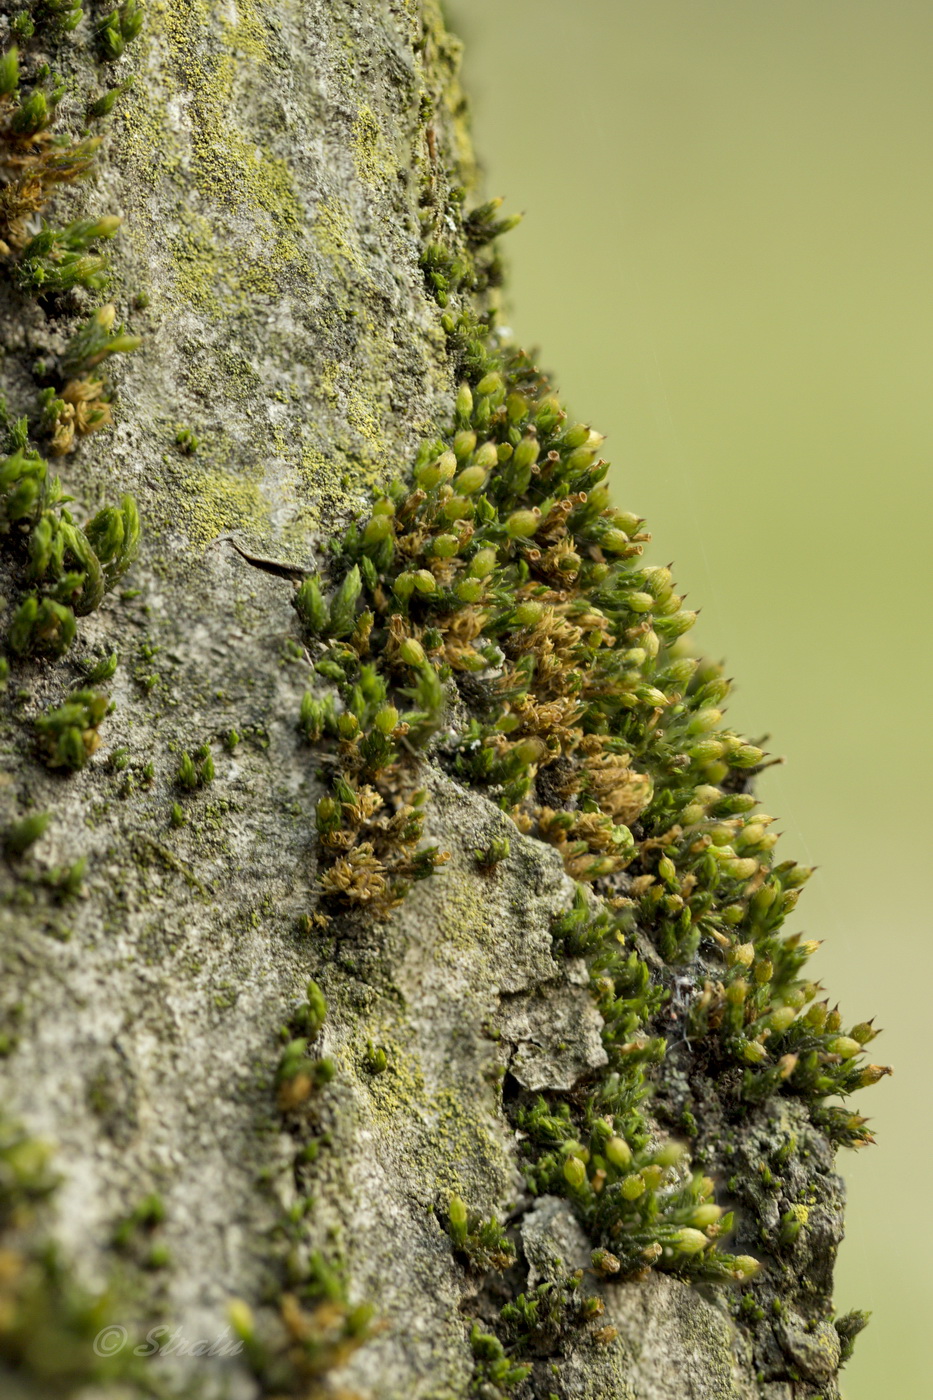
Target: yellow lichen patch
269	265
399	1092
318	469
148	140
463	919
204	276
365	418
214	502
329	379
217	276
245	32
240	380
329	479
371	154
231	168
443	1135
459	1135
341	45
285	446
363	411
296	532
336	238
318	472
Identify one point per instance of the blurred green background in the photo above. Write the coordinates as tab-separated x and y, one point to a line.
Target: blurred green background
727	260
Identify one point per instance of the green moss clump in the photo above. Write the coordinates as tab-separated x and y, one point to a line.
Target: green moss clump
23	834
537	1323
62	571
48	1322
69	734
495	1373
196	772
119	28
311	1327
494	610
34	163
318	1331
483	1243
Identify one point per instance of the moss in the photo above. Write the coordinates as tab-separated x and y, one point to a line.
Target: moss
48	1320
313	1327
57	570
500	569
453	684
69	734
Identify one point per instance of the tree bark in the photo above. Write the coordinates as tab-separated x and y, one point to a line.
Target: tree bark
272	163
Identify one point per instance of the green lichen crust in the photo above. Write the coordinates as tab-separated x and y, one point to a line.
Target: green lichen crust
405	1179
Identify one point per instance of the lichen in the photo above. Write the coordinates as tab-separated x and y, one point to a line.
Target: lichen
230	166
333	230
371	155
215	501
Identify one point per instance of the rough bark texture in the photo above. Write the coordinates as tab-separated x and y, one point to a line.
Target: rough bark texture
269	161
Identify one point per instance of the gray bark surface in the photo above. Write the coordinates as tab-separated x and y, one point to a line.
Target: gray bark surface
269	161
